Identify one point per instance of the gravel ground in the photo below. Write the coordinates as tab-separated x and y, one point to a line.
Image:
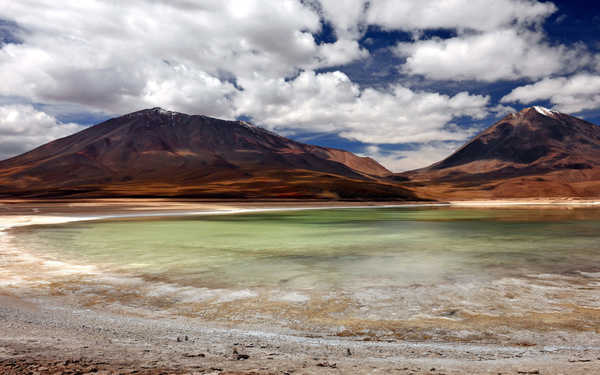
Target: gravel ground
45	337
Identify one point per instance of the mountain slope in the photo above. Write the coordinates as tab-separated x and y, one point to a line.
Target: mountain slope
155	152
533	153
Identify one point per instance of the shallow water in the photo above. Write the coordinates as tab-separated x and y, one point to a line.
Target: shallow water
325	249
356	270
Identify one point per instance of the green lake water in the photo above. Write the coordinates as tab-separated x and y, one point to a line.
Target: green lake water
449	273
330	248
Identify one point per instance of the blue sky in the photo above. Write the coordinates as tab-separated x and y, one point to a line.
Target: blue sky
405	82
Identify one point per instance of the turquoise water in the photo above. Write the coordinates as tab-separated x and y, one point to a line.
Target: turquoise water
411	273
332	248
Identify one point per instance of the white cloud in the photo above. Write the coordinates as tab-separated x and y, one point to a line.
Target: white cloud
341	52
347	17
114	58
22	128
350	18
504	54
501	110
117	58
188	90
495	40
456	14
405	160
568	94
331	102
201	57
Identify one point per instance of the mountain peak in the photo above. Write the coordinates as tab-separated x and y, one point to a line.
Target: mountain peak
535	152
156	152
536	109
535	134
156	113
545	111
162	111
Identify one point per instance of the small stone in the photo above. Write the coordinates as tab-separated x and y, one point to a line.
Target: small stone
327	364
200	355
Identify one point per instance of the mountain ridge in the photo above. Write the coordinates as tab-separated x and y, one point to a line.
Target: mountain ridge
530	153
536	152
155	152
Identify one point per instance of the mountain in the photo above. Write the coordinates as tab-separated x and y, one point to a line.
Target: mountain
154	152
533	153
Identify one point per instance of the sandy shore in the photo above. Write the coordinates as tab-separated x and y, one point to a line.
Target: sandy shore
565	202
48	335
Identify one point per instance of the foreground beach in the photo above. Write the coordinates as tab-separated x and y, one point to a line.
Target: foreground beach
54	333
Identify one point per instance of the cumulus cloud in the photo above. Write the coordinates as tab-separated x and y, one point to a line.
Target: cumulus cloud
351	18
22	128
331	102
347	17
341	52
568	94
505	54
481	15
201	57
499	40
405	160
115	58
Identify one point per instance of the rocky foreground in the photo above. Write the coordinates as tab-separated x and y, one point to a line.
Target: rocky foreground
43	337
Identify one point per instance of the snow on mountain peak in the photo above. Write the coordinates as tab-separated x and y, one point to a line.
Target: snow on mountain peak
545	111
164	111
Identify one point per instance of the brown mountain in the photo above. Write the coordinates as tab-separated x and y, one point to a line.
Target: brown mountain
534	153
155	152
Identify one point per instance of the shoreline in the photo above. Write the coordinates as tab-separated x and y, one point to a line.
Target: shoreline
97	339
149	208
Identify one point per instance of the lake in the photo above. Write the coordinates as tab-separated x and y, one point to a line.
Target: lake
410	273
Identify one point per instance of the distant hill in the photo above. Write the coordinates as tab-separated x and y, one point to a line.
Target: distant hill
533	153
154	152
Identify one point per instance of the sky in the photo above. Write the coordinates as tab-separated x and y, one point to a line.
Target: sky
403	81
